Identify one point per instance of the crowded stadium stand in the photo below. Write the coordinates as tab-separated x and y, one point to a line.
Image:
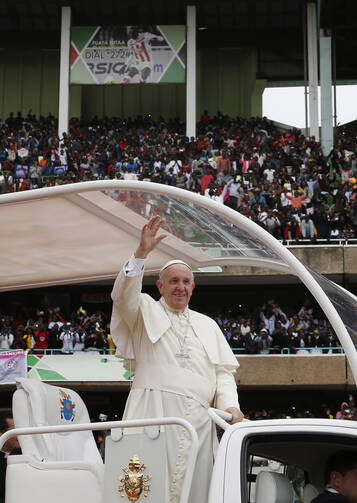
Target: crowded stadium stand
279	179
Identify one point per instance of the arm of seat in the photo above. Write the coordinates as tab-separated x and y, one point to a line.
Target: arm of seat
96	469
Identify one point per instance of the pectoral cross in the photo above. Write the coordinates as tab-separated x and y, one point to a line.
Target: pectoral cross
182	354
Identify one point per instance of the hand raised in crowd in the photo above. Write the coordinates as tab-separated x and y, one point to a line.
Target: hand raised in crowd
149	239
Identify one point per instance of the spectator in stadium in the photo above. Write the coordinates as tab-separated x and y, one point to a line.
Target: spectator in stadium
40	336
80	338
272	223
250	343
329	340
280	338
53	338
94	342
68	338
245	326
6	338
32	156
29	337
307	226
236	340
263	341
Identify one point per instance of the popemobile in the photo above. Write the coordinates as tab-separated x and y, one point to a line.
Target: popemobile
270	461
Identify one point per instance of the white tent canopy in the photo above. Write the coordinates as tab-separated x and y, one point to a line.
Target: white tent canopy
85	231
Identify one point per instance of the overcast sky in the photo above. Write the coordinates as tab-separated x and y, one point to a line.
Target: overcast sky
287	104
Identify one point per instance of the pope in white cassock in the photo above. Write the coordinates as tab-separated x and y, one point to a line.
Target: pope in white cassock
183	363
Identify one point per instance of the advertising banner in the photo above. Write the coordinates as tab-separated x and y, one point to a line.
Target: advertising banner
128	54
82	366
13	364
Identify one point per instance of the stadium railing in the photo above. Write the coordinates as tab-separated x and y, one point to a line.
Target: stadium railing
239	351
320	242
288	351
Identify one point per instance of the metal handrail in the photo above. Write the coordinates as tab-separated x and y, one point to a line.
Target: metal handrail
287	242
133	423
220	417
106	352
320	242
61	351
287	350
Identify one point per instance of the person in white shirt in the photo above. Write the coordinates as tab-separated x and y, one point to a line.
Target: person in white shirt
68	337
216	194
211	161
130	176
264	341
269	173
6	339
183	364
284	200
80	337
55	321
175	164
245	327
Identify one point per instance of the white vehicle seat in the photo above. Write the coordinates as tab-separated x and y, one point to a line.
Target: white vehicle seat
310	492
272	487
51	462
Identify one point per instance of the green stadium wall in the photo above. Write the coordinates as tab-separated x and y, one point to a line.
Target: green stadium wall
226	82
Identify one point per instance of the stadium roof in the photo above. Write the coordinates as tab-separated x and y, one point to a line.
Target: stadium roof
274	27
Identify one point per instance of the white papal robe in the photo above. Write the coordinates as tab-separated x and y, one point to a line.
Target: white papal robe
146	333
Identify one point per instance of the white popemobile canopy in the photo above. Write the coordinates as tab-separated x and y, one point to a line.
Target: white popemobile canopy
85	231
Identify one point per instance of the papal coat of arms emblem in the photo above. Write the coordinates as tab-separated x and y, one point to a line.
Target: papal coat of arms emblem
134	483
67	406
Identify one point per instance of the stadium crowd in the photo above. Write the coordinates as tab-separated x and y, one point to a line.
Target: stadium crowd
268	330
279	179
272	331
51	330
347	411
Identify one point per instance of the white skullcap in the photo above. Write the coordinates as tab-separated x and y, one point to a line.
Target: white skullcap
172	262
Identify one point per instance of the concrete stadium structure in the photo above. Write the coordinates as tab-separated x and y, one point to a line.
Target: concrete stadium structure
243	46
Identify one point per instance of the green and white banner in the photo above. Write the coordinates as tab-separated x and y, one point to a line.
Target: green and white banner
128	54
82	366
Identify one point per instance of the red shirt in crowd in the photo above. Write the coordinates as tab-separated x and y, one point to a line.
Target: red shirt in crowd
41	339
296	202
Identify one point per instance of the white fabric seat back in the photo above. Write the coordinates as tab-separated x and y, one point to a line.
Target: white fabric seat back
273	487
38	404
310	492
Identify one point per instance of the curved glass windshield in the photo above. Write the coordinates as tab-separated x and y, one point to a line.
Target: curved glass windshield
344	303
196	225
219	238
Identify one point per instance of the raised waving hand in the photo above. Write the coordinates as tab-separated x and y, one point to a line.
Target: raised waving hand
149	239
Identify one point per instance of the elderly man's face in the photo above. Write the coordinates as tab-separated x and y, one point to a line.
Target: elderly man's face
346	484
176	286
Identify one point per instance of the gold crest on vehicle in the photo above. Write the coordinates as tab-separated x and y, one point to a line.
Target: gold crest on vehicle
134	483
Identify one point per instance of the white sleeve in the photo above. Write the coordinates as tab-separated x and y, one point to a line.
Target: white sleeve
226	391
134	266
